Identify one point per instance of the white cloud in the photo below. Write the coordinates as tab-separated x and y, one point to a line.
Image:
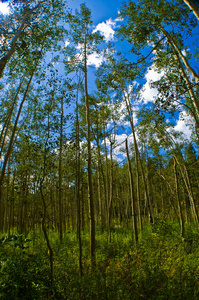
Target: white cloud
106	29
120	139
80	46
127	124
135	84
95	59
147	93
119	149
66	43
184	52
83	145
182	124
122	120
4	9
123	112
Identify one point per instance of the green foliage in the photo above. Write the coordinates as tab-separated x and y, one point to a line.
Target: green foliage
20	272
162	227
161	267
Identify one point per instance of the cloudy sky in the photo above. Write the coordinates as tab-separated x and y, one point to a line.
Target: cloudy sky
105	19
101	9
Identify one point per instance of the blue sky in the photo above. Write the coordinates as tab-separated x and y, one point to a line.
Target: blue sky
104	13
101	9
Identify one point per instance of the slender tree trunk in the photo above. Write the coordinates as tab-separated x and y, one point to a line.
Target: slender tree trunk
11	213
60	173
7	200
162	197
7	155
99	168
194	208
149	188
7	122
82	207
103	199
193	97
178	200
13	132
45	232
89	162
186	206
44	216
107	179
99	192
4	60
184	174
99	171
193	6
132	196
77	194
189	189
176	48
121	206
138	193
130	113
111	191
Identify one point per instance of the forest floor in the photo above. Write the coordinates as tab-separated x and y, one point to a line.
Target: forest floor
162	266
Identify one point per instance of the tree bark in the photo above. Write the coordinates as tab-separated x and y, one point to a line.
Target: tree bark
89	162
111	191
190	90
185	176
175	47
77	190
60	173
4	60
7	155
193	204
194	7
99	168
107	186
44	216
7	122
178	200
130	113
132	196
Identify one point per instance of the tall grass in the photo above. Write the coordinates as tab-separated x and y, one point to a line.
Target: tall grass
161	267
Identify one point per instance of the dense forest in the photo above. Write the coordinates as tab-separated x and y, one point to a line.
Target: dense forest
99	190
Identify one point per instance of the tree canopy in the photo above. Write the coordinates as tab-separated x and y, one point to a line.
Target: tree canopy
97	144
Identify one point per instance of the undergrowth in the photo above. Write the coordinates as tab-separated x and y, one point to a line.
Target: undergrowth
162	266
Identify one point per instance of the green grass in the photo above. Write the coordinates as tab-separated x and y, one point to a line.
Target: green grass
161	267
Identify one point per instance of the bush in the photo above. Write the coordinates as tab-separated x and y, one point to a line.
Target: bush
160	267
